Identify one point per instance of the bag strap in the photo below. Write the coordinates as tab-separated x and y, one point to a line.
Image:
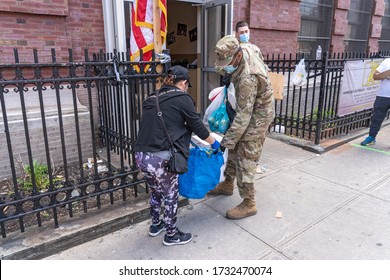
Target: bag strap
160	116
226	94
227	97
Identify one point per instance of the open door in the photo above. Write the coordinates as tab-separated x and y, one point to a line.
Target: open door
216	23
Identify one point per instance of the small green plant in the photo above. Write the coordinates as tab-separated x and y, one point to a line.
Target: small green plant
325	114
41	173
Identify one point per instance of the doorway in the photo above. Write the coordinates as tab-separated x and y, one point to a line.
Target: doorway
194	27
217	21
193	31
183	41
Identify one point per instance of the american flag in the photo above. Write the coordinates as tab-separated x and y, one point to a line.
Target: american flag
142	28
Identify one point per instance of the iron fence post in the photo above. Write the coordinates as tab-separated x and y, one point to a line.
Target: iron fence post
321	98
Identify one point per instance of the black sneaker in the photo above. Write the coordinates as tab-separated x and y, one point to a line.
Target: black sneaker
155	230
179	238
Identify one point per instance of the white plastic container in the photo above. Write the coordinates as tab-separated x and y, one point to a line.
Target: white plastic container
319	53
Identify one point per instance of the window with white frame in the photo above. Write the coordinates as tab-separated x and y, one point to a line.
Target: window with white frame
316	24
384	41
359	22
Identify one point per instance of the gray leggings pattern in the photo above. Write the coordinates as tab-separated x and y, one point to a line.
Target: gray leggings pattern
164	187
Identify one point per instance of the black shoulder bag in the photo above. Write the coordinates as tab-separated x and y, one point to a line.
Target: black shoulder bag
178	162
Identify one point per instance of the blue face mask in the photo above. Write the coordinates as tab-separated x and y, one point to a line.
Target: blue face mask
244	38
229	69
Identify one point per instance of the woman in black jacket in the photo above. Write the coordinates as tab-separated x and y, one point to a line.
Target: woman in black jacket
152	149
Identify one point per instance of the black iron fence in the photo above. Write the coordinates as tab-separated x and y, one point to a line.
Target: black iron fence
67	133
311	111
68	128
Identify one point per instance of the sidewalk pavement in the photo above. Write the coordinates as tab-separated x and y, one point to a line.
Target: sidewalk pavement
331	204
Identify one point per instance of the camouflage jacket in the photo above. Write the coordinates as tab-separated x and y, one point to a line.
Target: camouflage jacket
254	48
255	100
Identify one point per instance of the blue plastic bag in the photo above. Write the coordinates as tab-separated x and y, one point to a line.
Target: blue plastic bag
219	119
203	172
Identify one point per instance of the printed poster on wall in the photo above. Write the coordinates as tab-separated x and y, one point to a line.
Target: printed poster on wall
358	87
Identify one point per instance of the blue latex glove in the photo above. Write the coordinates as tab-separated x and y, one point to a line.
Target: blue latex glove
215	145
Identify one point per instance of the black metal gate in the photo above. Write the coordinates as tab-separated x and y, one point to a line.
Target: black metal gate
67	135
310	112
68	128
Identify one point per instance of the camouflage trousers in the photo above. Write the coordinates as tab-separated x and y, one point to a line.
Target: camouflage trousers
242	163
164	188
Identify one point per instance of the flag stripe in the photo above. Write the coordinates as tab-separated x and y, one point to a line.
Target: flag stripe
142	28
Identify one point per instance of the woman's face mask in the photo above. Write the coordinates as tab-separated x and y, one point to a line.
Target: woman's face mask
244	38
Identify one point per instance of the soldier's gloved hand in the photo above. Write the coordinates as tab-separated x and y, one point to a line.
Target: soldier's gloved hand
222	148
226	80
215	145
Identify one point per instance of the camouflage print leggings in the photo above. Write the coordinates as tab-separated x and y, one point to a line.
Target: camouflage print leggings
164	186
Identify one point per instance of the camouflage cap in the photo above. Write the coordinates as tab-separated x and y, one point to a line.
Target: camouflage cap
225	49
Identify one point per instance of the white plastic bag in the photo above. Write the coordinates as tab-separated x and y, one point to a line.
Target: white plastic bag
216	100
232	96
300	75
215	92
225	158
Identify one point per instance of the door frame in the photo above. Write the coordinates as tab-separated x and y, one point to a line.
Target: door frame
226	28
114	25
115	34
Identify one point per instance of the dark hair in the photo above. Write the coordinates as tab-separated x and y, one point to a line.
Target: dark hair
241	24
170	80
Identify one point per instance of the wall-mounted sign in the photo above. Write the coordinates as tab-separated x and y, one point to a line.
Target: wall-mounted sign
358	87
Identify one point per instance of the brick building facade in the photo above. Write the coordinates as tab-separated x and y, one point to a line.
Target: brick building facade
275	24
47	24
64	24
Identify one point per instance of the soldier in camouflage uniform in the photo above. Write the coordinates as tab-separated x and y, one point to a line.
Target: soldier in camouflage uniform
255	112
243	36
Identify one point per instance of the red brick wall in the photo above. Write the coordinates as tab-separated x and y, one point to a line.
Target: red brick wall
241	11
78	24
40	7
343	4
376	26
281	15
47	24
51	24
379	8
274	24
274	41
28	31
340	26
85	26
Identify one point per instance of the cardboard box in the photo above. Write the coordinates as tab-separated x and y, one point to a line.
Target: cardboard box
277	83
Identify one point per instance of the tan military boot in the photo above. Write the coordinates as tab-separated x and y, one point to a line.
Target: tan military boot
244	209
247	207
225	188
